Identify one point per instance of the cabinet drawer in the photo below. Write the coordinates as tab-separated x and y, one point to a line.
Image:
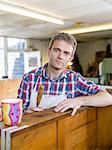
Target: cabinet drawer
79	119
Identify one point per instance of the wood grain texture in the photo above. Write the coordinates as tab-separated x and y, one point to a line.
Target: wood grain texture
9	88
83	138
62	130
105	128
40	93
78	132
41	138
66	132
80	119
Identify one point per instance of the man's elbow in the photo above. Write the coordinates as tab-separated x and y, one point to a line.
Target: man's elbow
108	98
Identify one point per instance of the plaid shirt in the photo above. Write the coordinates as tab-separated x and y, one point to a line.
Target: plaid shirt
69	82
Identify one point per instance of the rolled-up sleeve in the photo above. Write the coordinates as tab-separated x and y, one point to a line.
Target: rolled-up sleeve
87	87
24	92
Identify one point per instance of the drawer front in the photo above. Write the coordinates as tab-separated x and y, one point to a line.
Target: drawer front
79	119
35	138
83	138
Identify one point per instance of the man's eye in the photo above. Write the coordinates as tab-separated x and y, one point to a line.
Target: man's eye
66	53
56	50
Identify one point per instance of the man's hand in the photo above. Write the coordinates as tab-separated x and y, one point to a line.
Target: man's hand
74	103
35	109
38	109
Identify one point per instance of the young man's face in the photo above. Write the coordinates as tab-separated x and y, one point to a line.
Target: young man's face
60	54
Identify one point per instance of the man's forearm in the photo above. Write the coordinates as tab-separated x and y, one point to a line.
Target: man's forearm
101	99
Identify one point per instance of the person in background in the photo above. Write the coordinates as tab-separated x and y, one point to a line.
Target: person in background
57	79
108	51
76	64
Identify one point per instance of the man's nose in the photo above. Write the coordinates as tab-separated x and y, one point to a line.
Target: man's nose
60	55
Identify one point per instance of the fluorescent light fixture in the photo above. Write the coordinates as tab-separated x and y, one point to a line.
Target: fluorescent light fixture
100	27
28	13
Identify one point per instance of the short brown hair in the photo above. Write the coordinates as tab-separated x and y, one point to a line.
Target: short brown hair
65	37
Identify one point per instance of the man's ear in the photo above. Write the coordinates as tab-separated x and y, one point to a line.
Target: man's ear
72	57
49	50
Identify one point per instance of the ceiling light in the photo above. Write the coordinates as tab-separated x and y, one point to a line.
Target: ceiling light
28	13
95	28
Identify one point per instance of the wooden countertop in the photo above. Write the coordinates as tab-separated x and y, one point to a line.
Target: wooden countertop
39	118
43	117
59	130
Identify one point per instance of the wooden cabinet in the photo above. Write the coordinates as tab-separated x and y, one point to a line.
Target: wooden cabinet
9	88
79	132
48	130
105	128
35	138
89	129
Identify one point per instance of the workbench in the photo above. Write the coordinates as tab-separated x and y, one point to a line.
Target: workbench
89	129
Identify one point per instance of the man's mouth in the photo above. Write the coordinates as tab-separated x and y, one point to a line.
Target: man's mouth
61	63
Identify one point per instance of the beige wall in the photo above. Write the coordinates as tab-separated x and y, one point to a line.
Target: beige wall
86	50
40	45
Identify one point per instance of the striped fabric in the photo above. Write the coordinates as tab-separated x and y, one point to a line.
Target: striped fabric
69	82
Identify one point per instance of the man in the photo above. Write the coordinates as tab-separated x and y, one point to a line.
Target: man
56	79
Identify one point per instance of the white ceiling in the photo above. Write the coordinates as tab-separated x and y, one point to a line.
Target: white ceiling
90	12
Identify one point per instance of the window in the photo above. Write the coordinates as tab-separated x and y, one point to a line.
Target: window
15	43
22	62
2	63
15	64
11	57
16	48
